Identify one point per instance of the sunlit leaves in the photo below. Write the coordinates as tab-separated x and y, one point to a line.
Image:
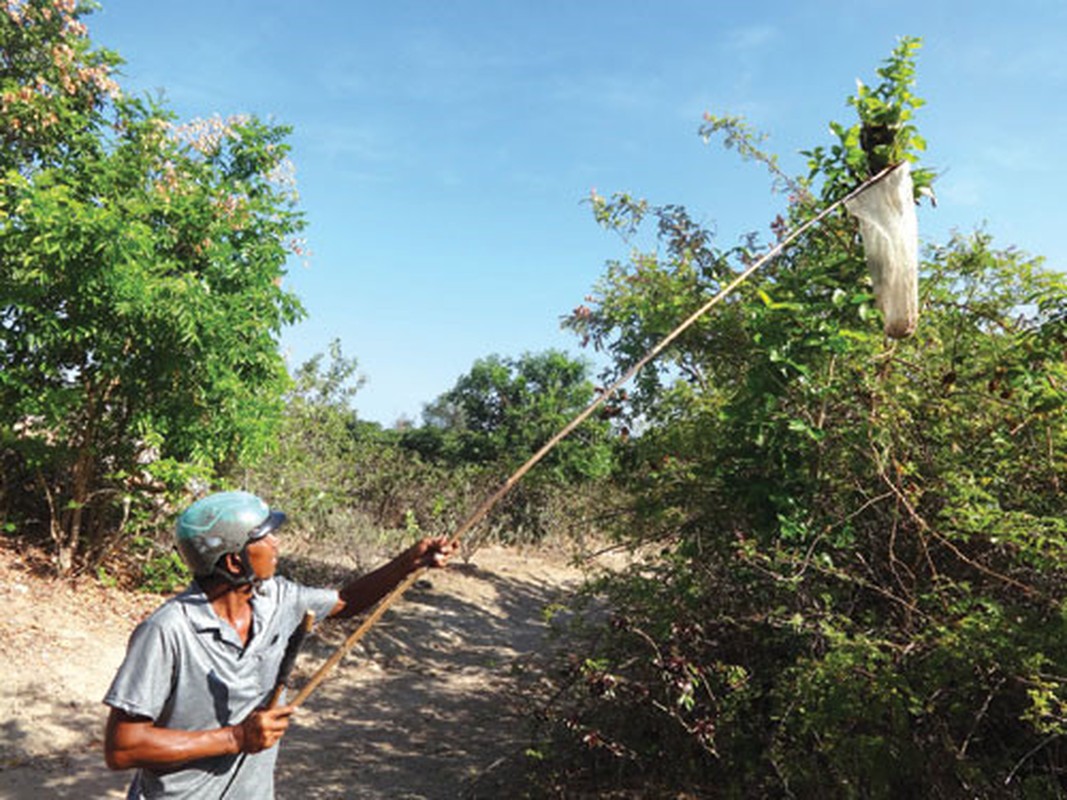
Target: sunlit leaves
504	409
872	530
140	276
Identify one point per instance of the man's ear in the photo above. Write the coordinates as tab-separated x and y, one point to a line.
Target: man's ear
231	563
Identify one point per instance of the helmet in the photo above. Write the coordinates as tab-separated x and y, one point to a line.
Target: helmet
222	523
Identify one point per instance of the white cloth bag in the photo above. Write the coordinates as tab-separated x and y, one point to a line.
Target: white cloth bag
890	232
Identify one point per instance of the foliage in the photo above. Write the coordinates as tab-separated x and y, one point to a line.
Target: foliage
884	135
859	588
502	412
505	409
141	264
343	480
162	569
307	470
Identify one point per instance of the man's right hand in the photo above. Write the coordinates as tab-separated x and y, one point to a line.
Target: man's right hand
262	729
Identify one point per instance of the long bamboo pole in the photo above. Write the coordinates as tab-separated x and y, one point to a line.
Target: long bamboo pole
483	509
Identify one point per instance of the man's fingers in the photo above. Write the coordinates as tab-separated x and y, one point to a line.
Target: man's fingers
281	711
432	551
277	719
441	549
263	729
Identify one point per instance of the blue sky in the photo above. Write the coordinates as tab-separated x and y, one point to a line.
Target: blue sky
444	148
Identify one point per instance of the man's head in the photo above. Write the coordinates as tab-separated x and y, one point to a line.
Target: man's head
222	524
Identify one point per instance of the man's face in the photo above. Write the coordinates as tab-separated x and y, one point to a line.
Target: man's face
263	556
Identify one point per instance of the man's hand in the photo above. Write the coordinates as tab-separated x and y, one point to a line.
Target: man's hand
363	591
432	551
262	729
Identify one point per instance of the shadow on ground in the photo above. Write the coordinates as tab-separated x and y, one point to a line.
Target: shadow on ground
430	705
75	775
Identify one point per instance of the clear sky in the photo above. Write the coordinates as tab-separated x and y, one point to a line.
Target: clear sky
444	147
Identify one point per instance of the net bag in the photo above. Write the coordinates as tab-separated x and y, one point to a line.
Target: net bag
890	233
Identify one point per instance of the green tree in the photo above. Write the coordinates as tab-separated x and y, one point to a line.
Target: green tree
861	584
141	266
495	418
310	471
347	480
504	409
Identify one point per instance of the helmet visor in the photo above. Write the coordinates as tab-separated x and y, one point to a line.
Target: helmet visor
274	520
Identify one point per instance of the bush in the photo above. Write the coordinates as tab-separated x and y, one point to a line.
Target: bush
859	588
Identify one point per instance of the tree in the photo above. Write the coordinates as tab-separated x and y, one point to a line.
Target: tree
311	469
495	418
862	577
504	409
141	267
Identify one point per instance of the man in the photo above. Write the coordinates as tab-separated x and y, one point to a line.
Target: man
187	704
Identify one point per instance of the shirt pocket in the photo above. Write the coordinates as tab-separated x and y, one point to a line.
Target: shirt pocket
268	661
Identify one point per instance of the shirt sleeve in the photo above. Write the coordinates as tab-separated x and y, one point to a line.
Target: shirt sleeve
319	601
144	681
306	598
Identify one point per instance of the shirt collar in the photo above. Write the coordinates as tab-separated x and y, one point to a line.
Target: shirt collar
202	616
198	609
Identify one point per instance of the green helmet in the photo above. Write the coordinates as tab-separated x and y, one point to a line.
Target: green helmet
222	523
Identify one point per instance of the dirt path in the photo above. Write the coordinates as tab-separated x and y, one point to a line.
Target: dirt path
427	707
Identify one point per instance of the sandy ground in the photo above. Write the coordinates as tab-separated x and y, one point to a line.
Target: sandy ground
428	706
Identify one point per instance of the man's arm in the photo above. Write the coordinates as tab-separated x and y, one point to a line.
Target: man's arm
362	592
131	741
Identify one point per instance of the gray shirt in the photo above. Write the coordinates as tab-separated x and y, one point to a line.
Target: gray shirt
186	669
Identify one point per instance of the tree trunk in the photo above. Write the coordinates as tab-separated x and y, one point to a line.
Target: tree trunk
72	528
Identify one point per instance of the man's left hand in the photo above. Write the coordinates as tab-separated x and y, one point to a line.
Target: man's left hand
433	551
